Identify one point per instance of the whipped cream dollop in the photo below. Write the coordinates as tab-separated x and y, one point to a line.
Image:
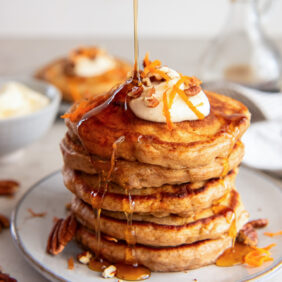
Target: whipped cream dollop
16	99
90	62
150	104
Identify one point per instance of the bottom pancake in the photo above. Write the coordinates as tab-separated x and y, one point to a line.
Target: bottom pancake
171	230
164	259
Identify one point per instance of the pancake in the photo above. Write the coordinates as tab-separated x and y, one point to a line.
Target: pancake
189	144
160	259
169	232
57	74
138	175
176	199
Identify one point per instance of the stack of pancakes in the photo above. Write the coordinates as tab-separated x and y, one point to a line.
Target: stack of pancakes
173	191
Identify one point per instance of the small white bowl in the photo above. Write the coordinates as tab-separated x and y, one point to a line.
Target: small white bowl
18	132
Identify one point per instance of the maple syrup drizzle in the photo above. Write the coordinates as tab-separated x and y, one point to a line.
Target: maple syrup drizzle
136	72
234	255
130	236
98	264
131	272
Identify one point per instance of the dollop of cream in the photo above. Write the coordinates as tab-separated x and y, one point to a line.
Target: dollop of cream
16	99
179	110
86	66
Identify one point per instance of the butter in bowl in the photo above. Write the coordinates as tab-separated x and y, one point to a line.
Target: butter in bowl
28	108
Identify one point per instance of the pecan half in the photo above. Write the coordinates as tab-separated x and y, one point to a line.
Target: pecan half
61	234
259	223
248	235
8	187
4	222
6	277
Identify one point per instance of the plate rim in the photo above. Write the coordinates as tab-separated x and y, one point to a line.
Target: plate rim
47	273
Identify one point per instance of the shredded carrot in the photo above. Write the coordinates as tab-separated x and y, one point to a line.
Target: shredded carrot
271	234
82	108
70	263
166	111
36	214
258	256
146	59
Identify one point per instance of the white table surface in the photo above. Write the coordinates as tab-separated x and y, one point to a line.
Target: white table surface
22	57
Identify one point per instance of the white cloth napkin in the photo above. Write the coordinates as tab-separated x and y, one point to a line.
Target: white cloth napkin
263	140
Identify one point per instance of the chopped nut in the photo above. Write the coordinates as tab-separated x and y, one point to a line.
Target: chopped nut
8	187
62	232
247	235
259	223
146	81
84	257
150	100
109	272
36	214
192	91
68	206
136	91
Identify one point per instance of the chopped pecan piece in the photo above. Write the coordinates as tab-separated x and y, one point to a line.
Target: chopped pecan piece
248	235
84	257
4	222
68	206
136	91
259	223
150	100
62	232
6	278
8	187
193	90
146	81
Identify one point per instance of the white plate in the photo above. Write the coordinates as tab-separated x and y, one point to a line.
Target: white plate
261	197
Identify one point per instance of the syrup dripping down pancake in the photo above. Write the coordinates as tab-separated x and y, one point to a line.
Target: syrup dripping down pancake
167	231
178	199
139	175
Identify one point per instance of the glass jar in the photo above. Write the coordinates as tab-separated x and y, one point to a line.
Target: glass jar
242	53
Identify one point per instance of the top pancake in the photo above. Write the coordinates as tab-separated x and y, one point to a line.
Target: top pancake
189	144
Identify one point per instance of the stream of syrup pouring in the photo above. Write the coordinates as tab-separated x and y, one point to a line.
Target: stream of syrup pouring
129	269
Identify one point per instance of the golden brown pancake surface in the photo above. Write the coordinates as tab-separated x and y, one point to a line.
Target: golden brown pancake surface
136	175
189	144
173	230
177	199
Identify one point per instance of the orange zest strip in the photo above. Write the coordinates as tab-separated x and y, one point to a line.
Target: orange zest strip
271	234
258	256
189	104
166	112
